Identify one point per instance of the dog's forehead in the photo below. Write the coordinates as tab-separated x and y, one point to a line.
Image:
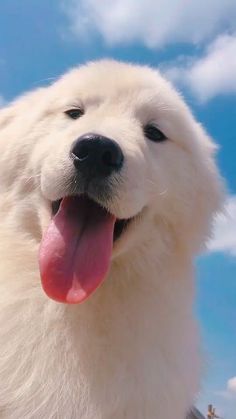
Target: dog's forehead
114	72
116	84
109	79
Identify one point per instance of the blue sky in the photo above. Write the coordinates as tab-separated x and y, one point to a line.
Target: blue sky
194	44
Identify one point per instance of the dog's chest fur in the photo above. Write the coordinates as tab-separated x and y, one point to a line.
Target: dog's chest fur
125	353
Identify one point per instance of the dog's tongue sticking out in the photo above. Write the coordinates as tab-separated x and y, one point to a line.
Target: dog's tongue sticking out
75	252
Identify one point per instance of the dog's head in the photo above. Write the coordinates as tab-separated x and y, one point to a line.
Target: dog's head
106	156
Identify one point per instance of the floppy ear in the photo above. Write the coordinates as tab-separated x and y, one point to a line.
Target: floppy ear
20	108
9	112
18	120
209	192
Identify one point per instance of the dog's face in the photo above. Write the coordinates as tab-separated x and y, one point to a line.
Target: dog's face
113	147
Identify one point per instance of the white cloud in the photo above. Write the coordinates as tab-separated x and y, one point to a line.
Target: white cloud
157	23
231	385
224	239
230	391
154	23
210	75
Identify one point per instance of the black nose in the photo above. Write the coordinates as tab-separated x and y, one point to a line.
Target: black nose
95	155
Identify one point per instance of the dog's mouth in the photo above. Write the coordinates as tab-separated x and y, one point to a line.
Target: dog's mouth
120	223
75	253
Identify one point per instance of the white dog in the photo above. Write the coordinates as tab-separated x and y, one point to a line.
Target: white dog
107	186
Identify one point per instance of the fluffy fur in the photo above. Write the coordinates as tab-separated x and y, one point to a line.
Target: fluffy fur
132	349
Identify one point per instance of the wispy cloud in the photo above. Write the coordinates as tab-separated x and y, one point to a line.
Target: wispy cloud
153	23
224	239
210	75
157	23
231	385
230	391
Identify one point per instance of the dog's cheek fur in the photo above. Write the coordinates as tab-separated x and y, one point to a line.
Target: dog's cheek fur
23	124
189	190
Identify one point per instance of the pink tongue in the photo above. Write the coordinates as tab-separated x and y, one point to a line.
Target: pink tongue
75	252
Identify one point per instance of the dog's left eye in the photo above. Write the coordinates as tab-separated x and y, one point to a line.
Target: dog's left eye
154	134
74	113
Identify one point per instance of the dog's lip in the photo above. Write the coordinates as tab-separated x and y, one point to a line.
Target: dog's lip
121	224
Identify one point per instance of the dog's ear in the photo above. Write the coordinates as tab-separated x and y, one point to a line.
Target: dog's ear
18	121
20	109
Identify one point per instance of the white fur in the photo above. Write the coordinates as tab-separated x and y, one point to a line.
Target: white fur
132	349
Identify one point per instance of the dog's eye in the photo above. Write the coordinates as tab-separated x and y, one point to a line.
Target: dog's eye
74	113
154	134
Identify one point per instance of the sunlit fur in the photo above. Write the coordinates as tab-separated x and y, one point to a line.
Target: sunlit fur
132	349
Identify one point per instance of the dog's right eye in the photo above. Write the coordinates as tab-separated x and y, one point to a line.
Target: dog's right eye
74	113
154	134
